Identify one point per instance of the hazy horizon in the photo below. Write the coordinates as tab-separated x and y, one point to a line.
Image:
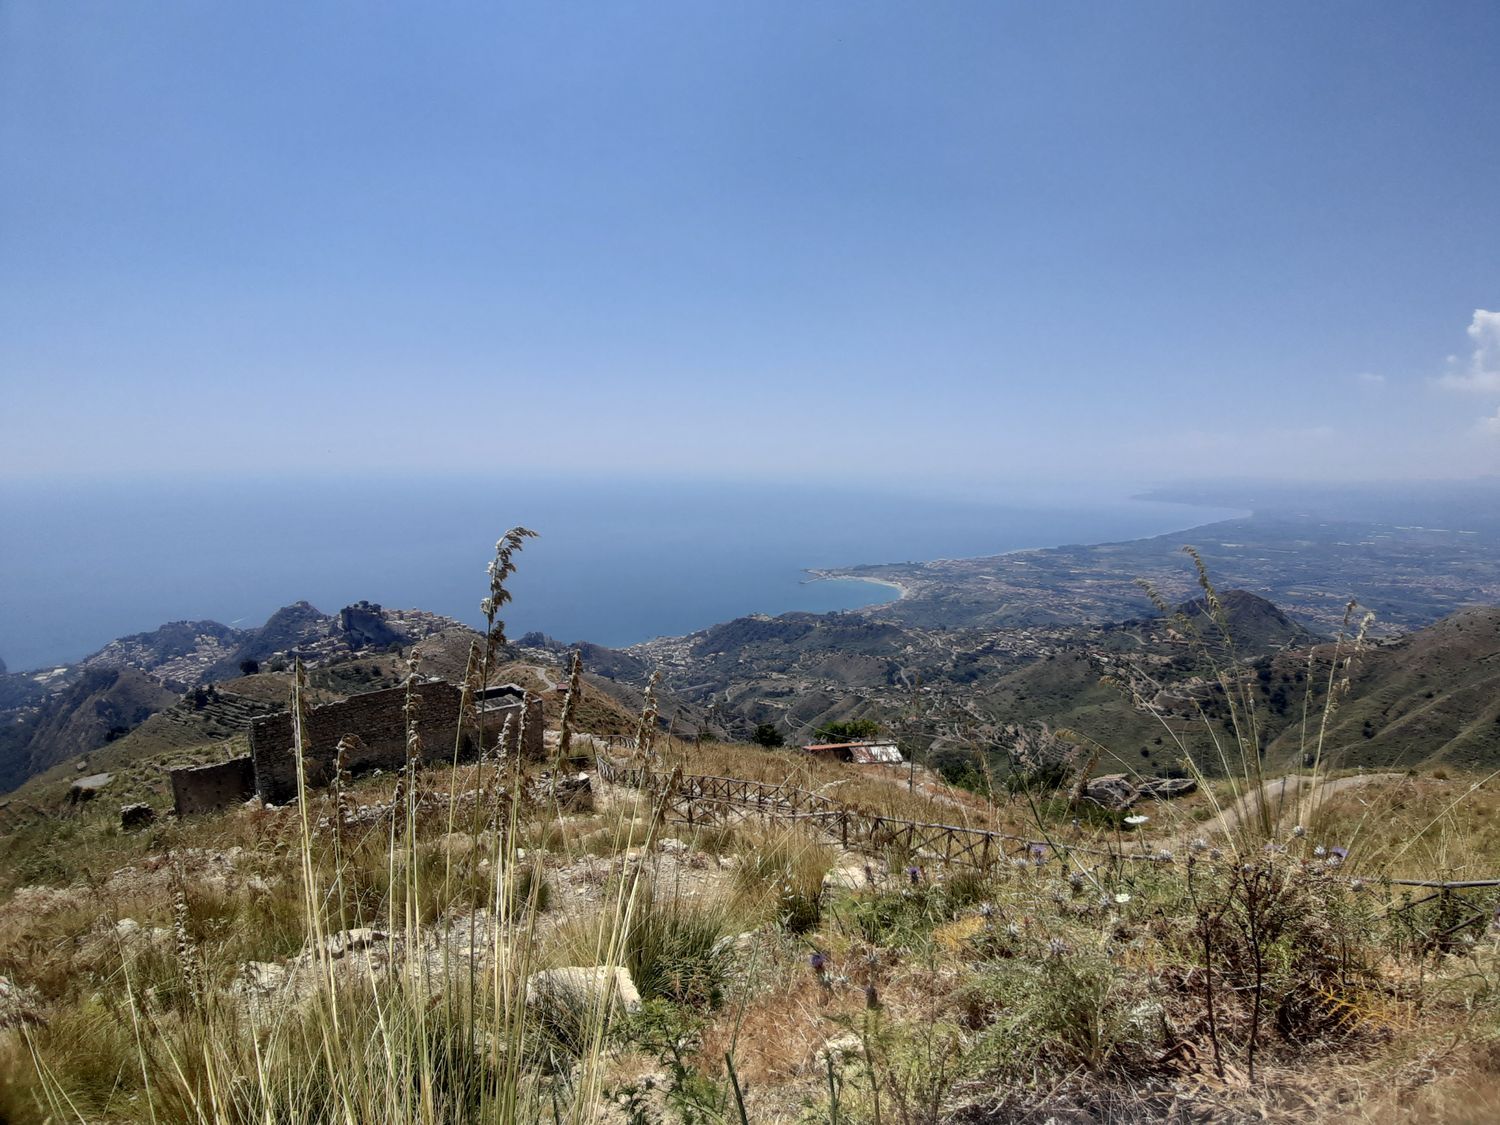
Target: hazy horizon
614	563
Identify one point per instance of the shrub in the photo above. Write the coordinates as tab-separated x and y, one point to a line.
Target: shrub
767	735
783	871
906	918
1057	1011
672	950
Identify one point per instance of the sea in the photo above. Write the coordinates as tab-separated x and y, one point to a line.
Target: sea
616	561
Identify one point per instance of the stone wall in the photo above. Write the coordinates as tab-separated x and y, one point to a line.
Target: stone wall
501	703
202	789
378	718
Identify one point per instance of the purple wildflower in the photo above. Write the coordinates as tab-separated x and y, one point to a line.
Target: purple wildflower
1038	854
818	961
914	873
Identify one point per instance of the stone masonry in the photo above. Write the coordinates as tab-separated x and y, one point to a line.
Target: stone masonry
202	789
378	719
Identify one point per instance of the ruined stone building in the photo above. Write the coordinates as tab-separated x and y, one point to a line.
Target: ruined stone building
201	789
377	720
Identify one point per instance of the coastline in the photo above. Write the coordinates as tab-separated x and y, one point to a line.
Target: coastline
818	575
161	581
909	589
850	574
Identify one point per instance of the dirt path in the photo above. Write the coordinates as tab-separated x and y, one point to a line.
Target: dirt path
1286	793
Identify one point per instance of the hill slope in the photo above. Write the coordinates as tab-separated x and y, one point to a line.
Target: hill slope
46	717
100	706
1431	697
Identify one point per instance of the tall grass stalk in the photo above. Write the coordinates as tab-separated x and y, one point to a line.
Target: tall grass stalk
565	720
1251	820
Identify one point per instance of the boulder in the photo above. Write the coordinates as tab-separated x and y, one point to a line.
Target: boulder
87	788
258	979
840	1049
852	874
573	792
136	816
580	988
1112	790
18	1005
348	940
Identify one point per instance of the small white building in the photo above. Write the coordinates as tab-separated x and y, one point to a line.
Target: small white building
872	753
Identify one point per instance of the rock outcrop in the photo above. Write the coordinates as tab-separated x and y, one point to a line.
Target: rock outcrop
582	989
1116	791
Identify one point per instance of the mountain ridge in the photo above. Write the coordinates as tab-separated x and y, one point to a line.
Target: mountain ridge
55	714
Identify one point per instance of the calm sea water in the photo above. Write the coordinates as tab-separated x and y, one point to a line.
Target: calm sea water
615	562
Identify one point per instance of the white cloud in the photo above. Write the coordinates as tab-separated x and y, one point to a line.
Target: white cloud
1481	375
1370	378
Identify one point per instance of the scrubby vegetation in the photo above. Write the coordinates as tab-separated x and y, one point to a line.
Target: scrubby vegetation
442	946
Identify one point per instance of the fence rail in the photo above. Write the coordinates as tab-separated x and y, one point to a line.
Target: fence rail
705	799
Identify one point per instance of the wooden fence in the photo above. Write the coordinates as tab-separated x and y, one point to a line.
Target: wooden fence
706	799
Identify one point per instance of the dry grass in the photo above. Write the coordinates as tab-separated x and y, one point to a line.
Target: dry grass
1272	980
969	976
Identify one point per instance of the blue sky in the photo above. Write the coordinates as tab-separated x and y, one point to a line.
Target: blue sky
978	241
